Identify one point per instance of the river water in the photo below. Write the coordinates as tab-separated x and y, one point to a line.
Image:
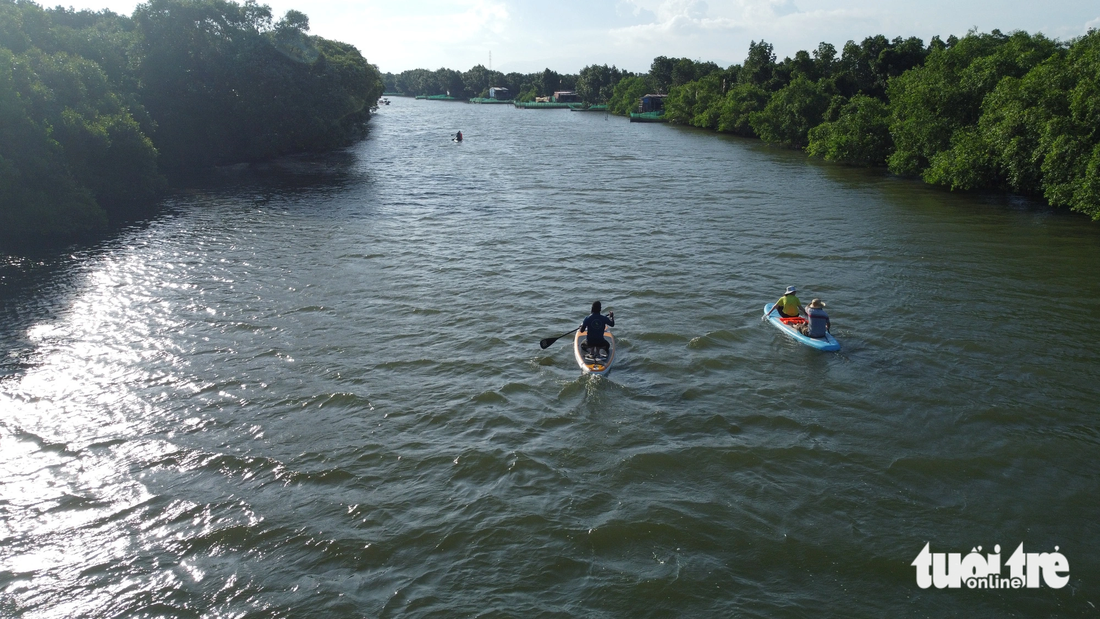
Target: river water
314	388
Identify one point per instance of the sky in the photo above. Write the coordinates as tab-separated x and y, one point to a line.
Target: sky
526	36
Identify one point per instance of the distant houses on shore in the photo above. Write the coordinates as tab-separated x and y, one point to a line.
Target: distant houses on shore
651	109
497	94
652	103
650	106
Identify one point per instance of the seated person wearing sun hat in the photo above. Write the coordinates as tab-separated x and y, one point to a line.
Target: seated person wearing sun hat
817	321
788	305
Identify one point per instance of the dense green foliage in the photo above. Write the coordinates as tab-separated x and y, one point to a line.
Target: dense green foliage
38	191
225	84
738	106
792	111
858	135
934	102
596	83
628	92
1028	120
1015	111
95	107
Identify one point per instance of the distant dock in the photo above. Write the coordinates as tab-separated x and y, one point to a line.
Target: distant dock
541	105
648	117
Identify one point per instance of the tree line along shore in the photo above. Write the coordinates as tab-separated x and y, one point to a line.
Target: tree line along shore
98	110
1014	112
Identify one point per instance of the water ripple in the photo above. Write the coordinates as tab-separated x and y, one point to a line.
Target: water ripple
313	388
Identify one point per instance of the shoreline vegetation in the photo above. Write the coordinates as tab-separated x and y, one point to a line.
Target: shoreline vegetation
988	111
98	110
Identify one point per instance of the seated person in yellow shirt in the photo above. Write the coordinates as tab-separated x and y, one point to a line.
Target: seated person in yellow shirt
788	305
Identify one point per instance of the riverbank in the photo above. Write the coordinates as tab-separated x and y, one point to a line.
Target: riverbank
84	149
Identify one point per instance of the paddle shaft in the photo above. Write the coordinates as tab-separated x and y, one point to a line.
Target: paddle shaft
545	343
550	340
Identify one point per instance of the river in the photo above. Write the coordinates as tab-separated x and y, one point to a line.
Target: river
313	388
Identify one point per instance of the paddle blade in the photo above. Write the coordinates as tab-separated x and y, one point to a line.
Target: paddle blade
550	340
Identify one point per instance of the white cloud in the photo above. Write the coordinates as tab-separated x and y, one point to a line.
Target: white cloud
625	8
452	34
675	19
566	35
483	17
465	21
670	10
783	7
